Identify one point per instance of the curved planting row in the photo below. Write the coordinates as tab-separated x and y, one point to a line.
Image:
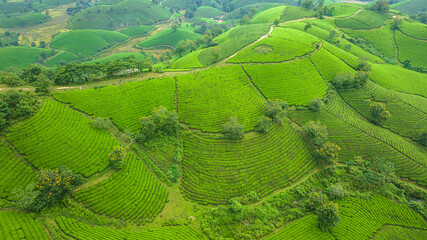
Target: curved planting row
207	99
345	56
188	61
124	104
363	20
360	219
295	82
216	170
356	136
131	194
271	50
397	232
59	136
409	49
328	65
292	12
83	231
14	172
303	228
400	105
21	225
414	29
399	79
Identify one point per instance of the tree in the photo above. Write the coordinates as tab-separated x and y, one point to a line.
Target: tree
4	112
378	113
54	185
10	79
276	110
43	44
43	55
117	157
328	216
336	191
42	84
381	6
333	34
263	125
307	4
175	26
329	152
315	132
316	104
33	44
161	122
315	200
233	129
31	73
363	65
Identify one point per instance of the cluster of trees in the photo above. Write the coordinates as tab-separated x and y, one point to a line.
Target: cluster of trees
347	80
233	130
379	114
160	122
15	106
381	6
41	77
80	5
54	185
318	135
275	111
326	211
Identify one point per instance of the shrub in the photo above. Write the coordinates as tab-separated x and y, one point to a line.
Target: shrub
336	191
263	125
329	152
328	216
378	112
315	132
173	173
233	130
117	157
363	66
418	207
316	104
10	79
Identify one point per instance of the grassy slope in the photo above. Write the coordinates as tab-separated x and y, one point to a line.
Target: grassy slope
409	49
171	37
19	57
92	40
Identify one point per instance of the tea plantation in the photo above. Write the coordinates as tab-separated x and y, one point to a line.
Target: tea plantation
237	120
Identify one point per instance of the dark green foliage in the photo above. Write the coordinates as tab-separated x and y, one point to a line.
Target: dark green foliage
378	112
10	79
53	186
316	132
233	130
377	174
363	66
316	200
418	207
336	191
327	216
329	153
160	122
381	6
20	104
316	104
42	84
117	157
31	73
276	110
263	125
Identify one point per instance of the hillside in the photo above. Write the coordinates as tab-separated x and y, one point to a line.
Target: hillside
273	119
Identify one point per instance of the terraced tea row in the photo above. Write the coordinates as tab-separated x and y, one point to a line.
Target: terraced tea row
328	65
390	76
83	231
271	50
409	49
215	170
207	99
14	172
59	136
295	82
126	104
397	232
21	225
356	136
363	20
400	106
131	194
360	219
